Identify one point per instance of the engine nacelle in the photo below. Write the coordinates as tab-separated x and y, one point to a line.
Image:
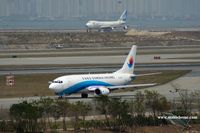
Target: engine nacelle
101	91
125	27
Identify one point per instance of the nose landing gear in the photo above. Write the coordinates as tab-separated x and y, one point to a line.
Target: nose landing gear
84	95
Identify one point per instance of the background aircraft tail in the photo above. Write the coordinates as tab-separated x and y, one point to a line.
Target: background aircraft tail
123	16
129	64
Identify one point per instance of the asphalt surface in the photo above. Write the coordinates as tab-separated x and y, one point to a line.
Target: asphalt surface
99	69
165	58
99	50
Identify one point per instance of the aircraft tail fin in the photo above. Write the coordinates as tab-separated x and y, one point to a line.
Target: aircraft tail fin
129	63
123	17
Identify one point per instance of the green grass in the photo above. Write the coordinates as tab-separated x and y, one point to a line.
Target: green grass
162	78
37	84
27	85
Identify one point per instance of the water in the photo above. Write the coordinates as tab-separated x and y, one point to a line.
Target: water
80	24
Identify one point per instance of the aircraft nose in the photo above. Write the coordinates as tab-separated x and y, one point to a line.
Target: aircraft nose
52	86
87	25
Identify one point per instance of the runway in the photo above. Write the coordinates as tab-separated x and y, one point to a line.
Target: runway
102	51
84	56
99	69
7	102
165	58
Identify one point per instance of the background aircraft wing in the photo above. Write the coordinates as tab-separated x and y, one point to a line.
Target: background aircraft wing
129	86
107	27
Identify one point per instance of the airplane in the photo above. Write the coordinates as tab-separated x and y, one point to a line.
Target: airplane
108	25
99	84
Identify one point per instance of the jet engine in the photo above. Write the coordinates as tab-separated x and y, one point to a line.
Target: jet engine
101	91
125	27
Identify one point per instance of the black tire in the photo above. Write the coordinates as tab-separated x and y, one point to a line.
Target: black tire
84	95
60	97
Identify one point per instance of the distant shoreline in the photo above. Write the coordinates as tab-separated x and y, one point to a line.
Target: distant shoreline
79	24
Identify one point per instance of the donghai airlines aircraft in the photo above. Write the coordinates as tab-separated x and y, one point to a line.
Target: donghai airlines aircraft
99	84
108	25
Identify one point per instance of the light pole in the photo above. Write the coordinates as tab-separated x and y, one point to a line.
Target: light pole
173	92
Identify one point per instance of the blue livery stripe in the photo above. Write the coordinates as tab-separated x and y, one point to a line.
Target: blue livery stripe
82	85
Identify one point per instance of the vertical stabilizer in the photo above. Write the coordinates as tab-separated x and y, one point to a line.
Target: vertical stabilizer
123	16
129	64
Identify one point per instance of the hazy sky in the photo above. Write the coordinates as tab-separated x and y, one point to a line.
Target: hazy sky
40	13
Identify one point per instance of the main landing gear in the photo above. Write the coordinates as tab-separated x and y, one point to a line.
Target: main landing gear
84	95
60	97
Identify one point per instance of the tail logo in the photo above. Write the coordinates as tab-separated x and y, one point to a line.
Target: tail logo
130	63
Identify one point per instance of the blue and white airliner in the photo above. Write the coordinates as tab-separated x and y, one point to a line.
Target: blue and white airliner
108	25
99	84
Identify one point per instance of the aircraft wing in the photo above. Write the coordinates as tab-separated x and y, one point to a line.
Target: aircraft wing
129	86
148	74
107	27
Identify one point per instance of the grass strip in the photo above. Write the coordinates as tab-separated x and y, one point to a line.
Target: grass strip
37	84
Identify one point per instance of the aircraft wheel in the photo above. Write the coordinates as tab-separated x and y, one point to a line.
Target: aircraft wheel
60	97
84	95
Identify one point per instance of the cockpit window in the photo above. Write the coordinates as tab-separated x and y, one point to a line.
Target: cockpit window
58	81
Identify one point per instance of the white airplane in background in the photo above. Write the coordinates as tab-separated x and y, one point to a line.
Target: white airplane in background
108	25
99	84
